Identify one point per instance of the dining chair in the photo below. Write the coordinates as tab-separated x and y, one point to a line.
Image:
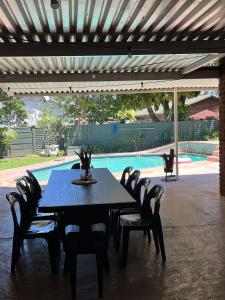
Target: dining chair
132	182
147	219
29	194
139	195
76	166
26	228
125	175
36	184
87	235
130	187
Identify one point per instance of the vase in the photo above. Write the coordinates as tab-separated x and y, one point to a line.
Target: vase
85	174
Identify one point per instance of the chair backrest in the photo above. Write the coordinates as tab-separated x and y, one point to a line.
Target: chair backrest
35	182
141	189
21	217
33	188
76	166
147	210
132	182
25	191
125	175
168	161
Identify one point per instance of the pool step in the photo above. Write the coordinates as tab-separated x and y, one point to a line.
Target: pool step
213	158
215	155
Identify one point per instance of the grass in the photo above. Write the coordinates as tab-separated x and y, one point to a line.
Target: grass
15	162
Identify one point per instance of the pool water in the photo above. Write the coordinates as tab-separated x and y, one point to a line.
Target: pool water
117	163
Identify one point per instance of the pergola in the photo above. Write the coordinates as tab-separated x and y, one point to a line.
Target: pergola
114	46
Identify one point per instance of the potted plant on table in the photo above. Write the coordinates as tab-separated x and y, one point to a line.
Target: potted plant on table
85	162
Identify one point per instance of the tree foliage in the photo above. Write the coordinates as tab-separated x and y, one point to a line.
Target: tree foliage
13	113
102	108
7	136
48	119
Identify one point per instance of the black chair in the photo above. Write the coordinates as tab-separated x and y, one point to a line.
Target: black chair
130	187
29	193
76	166
25	228
168	160
132	182
148	219
36	185
88	234
139	195
125	175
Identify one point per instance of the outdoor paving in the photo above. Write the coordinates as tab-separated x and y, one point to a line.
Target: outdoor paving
193	220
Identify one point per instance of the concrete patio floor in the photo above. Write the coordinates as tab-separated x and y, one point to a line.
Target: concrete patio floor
193	219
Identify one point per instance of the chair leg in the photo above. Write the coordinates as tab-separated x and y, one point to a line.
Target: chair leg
115	226
161	239
155	237
99	264
73	275
53	254
106	262
149	236
118	237
66	264
125	244
15	253
112	220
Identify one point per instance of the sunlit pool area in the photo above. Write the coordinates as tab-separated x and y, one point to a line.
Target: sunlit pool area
117	163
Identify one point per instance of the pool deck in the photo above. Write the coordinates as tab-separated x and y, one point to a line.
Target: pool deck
8	177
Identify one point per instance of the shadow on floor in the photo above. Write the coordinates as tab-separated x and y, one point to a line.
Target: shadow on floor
193	220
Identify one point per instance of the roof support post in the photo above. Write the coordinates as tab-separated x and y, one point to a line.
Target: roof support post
175	122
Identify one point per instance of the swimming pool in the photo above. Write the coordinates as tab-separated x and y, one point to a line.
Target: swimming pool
118	163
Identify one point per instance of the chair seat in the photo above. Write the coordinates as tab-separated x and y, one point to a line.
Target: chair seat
44	216
134	220
168	170
129	210
41	227
98	227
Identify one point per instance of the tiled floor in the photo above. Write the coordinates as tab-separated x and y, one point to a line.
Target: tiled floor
193	218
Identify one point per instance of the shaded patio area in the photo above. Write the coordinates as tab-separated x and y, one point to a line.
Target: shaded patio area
193	221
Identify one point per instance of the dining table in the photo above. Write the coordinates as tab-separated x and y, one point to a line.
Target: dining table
61	194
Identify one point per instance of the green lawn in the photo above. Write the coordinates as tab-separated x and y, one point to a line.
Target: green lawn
15	162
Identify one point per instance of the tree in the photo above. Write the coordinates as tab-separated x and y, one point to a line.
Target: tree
54	127
13	113
126	114
48	119
92	108
98	109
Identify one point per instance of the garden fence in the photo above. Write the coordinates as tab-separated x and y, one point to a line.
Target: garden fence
112	137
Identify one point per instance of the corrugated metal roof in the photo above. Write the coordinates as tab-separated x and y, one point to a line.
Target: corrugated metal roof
112	20
110	87
199	99
81	21
98	64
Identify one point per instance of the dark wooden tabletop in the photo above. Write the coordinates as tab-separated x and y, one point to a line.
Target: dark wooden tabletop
61	194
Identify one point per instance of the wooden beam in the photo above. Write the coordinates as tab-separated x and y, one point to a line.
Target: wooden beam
41	49
88	77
